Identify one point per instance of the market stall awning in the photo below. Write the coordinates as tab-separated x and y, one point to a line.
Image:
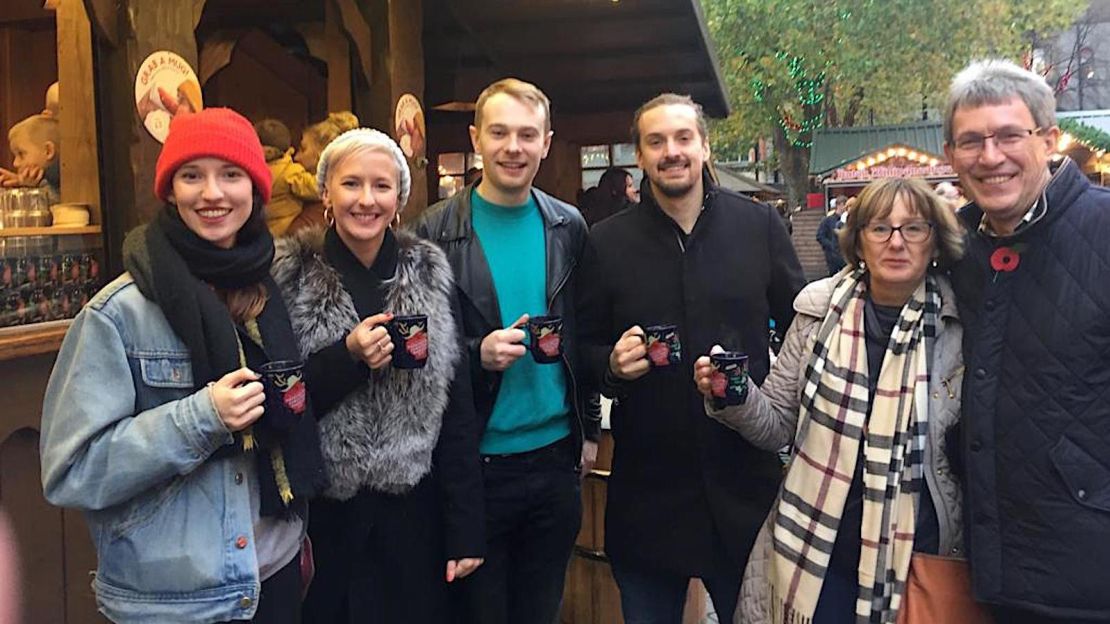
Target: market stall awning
745	183
834	148
589	56
1097	119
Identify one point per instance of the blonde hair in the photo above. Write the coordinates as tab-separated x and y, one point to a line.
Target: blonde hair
524	92
876	202
38	129
324	132
359	140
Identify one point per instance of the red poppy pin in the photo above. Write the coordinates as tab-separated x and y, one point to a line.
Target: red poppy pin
1005	259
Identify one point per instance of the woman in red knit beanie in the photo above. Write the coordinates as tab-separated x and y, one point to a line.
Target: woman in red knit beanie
156	423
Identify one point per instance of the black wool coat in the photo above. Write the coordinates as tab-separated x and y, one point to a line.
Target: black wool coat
686	494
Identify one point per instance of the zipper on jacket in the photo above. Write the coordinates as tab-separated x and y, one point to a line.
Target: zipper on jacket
948	380
562	282
576	407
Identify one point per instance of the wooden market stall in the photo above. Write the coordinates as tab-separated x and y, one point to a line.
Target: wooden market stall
360	55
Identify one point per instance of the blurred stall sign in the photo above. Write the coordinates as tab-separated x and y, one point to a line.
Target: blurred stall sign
408	121
165	86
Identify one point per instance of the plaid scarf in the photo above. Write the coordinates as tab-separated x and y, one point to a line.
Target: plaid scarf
833	422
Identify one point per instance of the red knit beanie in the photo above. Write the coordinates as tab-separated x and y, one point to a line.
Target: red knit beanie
216	133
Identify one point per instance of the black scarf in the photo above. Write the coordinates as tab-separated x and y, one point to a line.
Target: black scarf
177	269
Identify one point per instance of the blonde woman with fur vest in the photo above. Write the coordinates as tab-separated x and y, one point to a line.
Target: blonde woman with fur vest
403	516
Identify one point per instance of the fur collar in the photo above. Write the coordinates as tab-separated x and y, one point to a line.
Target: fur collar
381	435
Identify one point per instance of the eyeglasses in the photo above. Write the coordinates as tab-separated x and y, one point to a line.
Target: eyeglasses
912	232
1008	140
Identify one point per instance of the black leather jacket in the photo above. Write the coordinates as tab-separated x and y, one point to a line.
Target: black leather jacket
449	225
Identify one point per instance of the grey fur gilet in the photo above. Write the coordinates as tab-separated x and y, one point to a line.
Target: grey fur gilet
383	433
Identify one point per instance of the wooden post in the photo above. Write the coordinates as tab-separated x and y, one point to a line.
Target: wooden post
338	59
77	107
129	151
398	59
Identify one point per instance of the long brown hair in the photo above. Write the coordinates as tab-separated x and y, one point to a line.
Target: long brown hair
244	304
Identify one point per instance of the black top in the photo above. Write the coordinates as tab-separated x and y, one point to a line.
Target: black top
331	372
878	326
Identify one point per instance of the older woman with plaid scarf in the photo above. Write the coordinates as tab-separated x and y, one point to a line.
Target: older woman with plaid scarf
867	389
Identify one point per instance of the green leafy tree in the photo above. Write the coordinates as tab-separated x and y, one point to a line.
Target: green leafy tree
793	66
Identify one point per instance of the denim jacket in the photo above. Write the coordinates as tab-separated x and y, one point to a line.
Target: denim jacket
126	439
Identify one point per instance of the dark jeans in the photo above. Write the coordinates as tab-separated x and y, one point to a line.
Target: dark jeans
280	599
651	596
533	513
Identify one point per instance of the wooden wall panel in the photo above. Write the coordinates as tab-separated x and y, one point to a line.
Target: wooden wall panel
56	552
560	173
253	89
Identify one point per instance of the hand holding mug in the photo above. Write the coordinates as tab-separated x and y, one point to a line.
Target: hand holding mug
628	360
722	377
369	341
238	397
703	372
502	347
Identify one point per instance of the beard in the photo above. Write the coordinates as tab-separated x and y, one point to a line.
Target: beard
675	190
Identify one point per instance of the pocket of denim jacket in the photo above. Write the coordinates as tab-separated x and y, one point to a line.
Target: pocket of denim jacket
1087	479
145	507
163	371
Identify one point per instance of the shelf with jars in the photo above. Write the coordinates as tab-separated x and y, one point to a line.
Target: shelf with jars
53	230
50	258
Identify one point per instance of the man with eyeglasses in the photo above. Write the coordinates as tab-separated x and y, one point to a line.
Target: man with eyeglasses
1034	295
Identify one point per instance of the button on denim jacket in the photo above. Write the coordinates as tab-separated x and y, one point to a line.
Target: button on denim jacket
126	439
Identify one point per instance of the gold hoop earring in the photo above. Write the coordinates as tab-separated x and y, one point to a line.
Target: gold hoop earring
329	218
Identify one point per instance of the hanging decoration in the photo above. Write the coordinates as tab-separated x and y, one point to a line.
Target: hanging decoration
809	92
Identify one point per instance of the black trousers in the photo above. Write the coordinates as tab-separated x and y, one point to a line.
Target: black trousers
533	513
379	558
651	596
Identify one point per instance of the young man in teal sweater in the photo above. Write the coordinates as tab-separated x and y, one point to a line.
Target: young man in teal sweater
514	249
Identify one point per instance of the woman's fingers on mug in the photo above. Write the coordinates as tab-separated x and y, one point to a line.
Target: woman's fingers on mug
378	319
237	377
377	335
249	398
703	374
253	414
